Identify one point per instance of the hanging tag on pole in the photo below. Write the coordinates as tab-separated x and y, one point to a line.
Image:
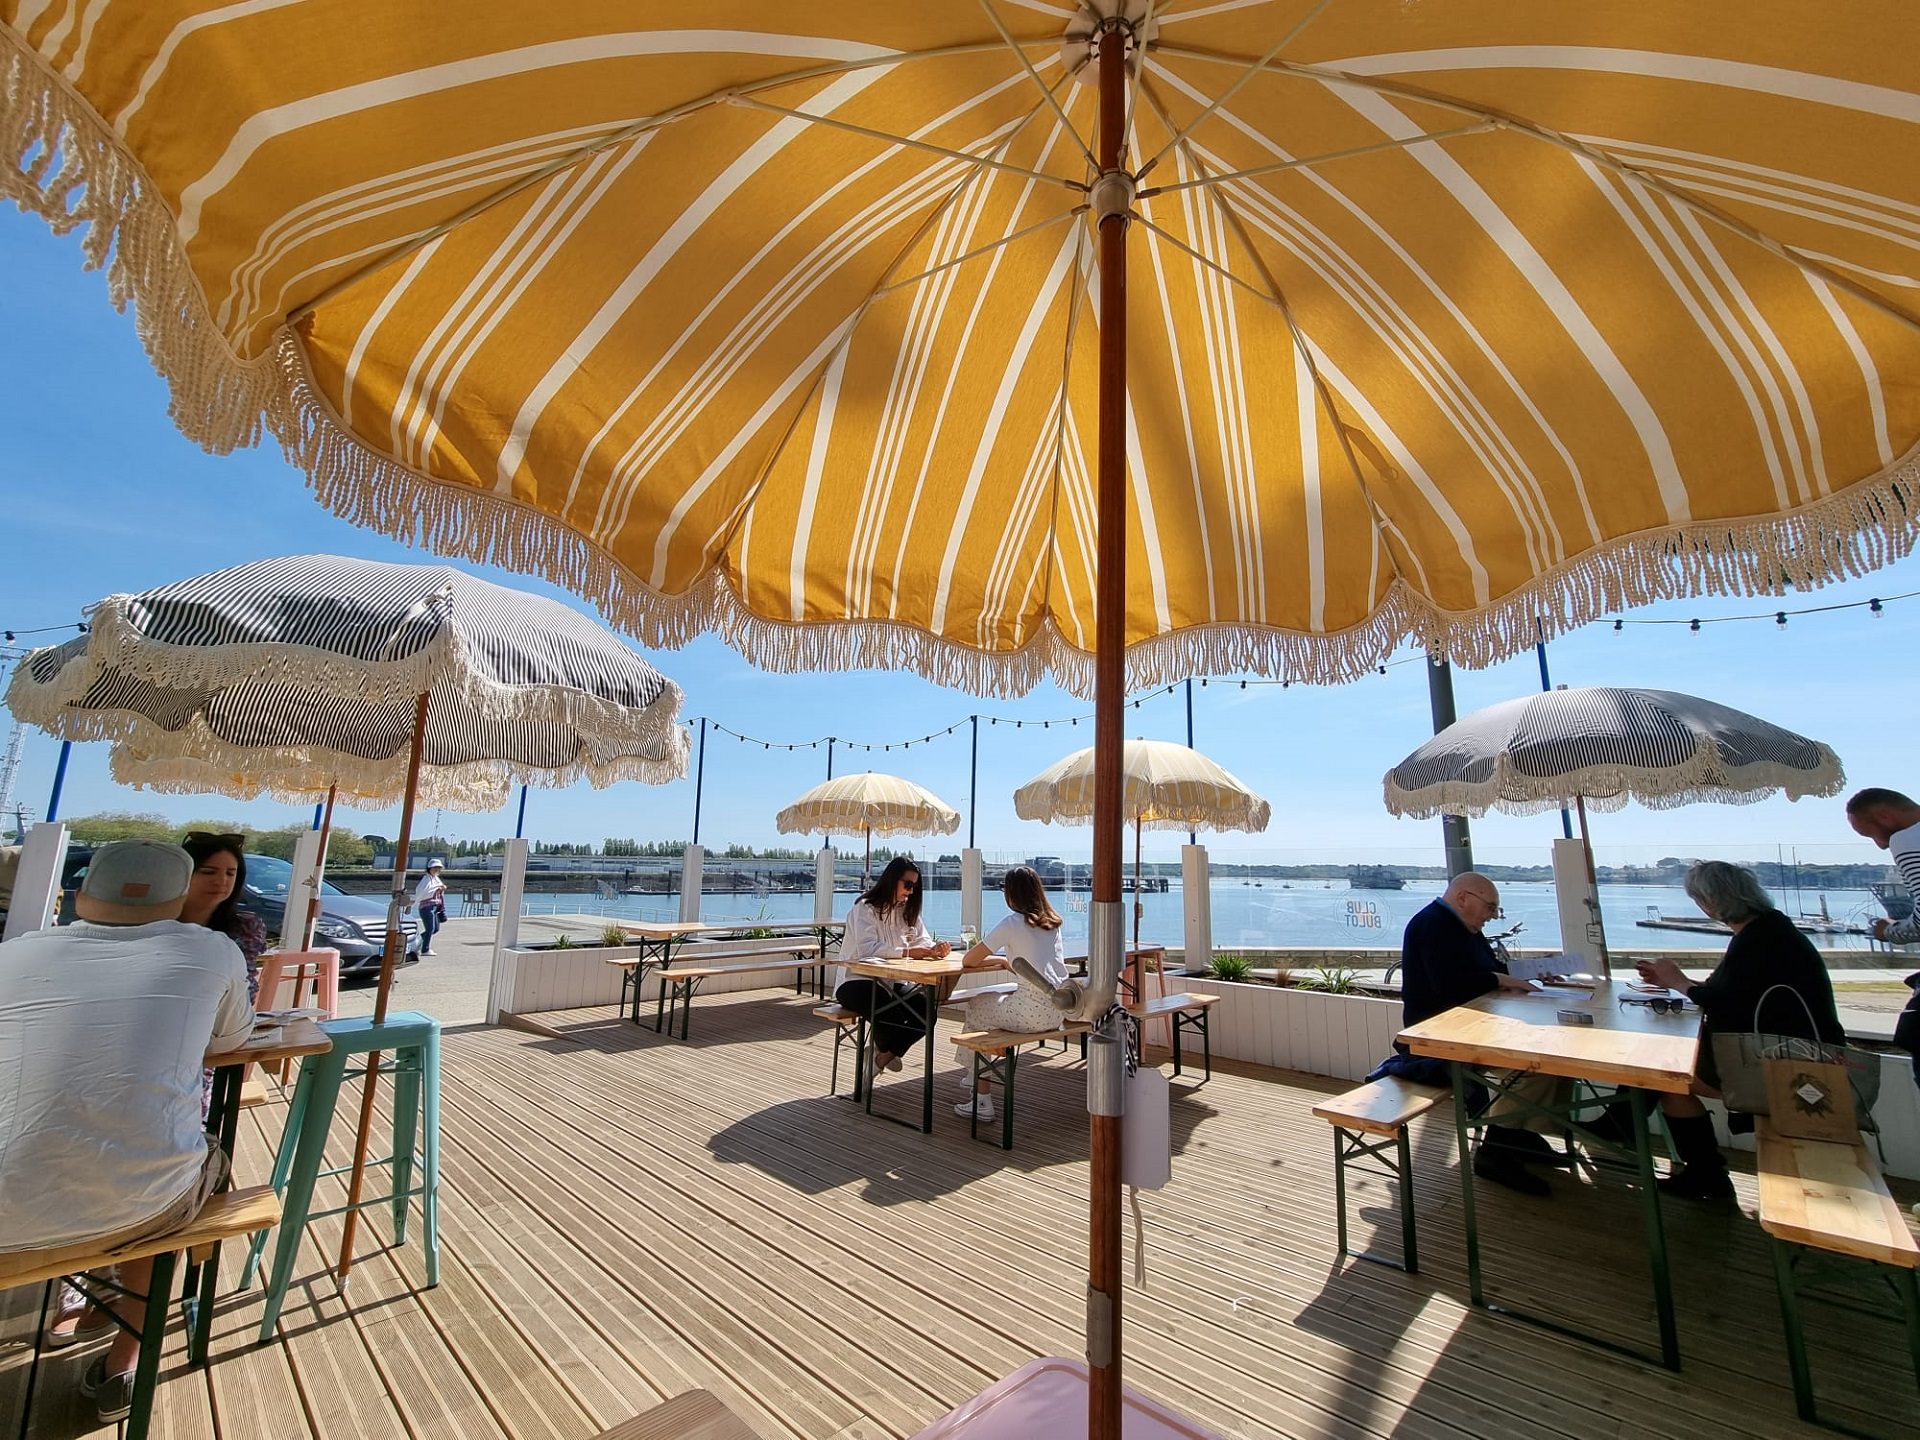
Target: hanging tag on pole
1146	1132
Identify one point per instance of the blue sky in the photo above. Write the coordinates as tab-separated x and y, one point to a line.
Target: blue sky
99	493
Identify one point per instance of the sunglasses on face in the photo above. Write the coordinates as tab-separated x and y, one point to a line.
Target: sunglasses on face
208	837
911	884
1659	1004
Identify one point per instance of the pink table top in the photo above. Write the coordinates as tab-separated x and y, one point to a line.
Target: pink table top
1049	1397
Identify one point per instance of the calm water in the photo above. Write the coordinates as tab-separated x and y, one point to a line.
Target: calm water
1271	914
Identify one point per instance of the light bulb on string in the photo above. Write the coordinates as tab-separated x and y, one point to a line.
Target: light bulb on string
1694	625
1780	618
1875	608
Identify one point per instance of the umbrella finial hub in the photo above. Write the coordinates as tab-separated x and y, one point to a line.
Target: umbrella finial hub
1112	194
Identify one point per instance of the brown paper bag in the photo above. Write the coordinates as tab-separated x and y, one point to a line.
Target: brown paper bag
1811	1100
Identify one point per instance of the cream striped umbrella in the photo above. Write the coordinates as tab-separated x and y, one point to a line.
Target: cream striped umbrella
871	804
1163	786
811	323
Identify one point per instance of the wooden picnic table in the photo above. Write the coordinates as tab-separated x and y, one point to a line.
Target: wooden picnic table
1505	1036
656	940
928	976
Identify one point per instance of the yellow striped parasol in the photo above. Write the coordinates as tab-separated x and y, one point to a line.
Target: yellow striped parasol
1121	340
778	318
871	804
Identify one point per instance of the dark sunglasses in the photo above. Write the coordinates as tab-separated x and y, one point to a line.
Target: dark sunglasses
208	837
911	884
1659	1004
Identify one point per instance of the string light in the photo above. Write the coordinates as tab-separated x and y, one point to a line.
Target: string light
18	631
1779	617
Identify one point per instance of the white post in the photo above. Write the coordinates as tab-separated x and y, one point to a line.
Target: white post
693	870
1196	892
506	929
36	884
304	885
1580	933
970	891
823	885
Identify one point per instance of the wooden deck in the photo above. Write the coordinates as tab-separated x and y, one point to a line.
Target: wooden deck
626	1217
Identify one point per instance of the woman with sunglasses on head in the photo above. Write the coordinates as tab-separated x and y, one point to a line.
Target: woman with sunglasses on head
1031	933
219	879
1766	951
884	924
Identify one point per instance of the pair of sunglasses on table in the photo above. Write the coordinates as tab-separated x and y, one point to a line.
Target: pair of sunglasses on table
1659	1004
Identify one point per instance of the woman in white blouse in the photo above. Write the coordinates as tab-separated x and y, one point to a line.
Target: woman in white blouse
1031	933
884	924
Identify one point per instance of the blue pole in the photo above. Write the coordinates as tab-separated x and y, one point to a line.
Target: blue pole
826	841
1546	684
1193	837
59	780
316	816
973	781
699	778
520	825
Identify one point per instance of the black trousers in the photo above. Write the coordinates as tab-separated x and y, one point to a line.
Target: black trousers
902	1022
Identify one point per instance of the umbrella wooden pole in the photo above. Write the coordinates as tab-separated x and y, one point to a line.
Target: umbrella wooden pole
1593	885
1133	961
1105	1091
388	959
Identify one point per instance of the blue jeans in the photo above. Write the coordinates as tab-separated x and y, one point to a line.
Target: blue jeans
432	917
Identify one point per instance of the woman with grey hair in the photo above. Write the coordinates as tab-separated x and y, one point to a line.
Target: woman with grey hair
1766	951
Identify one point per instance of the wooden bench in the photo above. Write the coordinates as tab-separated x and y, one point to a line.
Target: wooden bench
846	1031
1187	1012
1821	1196
680	983
694	1415
1368	1124
996	1054
232	1215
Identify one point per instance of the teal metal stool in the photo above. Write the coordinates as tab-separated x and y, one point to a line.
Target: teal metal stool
412	1041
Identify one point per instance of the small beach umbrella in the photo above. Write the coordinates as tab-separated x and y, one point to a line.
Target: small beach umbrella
1163	786
873	804
1602	746
390	682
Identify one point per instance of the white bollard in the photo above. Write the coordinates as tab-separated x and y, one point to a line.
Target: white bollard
693	876
970	905
36	885
1196	893
506	929
823	885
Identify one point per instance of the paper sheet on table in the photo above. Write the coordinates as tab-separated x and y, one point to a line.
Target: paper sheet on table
1540	966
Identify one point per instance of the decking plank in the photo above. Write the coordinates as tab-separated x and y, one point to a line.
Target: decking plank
624	1219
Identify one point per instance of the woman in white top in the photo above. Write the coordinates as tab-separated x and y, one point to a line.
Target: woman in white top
884	924
430	899
1031	933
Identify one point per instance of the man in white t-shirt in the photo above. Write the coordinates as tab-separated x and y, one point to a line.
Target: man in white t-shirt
104	1029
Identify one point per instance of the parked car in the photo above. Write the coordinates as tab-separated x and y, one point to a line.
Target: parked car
352	924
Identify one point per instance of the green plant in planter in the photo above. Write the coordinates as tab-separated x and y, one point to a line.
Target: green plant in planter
759	932
1235	968
613	935
562	941
1333	980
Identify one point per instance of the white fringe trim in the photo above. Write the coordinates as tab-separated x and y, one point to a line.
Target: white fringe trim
1702	779
80	175
195	764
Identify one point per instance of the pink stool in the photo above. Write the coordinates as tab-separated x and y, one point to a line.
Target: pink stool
322	967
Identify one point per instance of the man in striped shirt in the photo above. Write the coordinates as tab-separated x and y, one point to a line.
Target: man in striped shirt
1892	821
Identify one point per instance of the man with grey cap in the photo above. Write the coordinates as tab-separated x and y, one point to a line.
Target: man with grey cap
104	1027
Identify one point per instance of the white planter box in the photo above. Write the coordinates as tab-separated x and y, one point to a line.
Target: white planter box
573	979
1344	1036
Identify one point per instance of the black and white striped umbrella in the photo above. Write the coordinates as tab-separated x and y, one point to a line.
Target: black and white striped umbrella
1605	746
287	676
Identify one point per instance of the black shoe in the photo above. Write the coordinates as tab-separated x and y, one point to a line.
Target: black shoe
1527	1146
1698	1182
1499	1165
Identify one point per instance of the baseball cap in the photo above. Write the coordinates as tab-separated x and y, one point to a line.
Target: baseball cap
134	882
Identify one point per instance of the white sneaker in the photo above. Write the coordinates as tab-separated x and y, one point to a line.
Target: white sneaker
980	1107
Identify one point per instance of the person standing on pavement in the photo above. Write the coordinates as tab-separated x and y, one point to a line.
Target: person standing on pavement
430	899
1892	821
